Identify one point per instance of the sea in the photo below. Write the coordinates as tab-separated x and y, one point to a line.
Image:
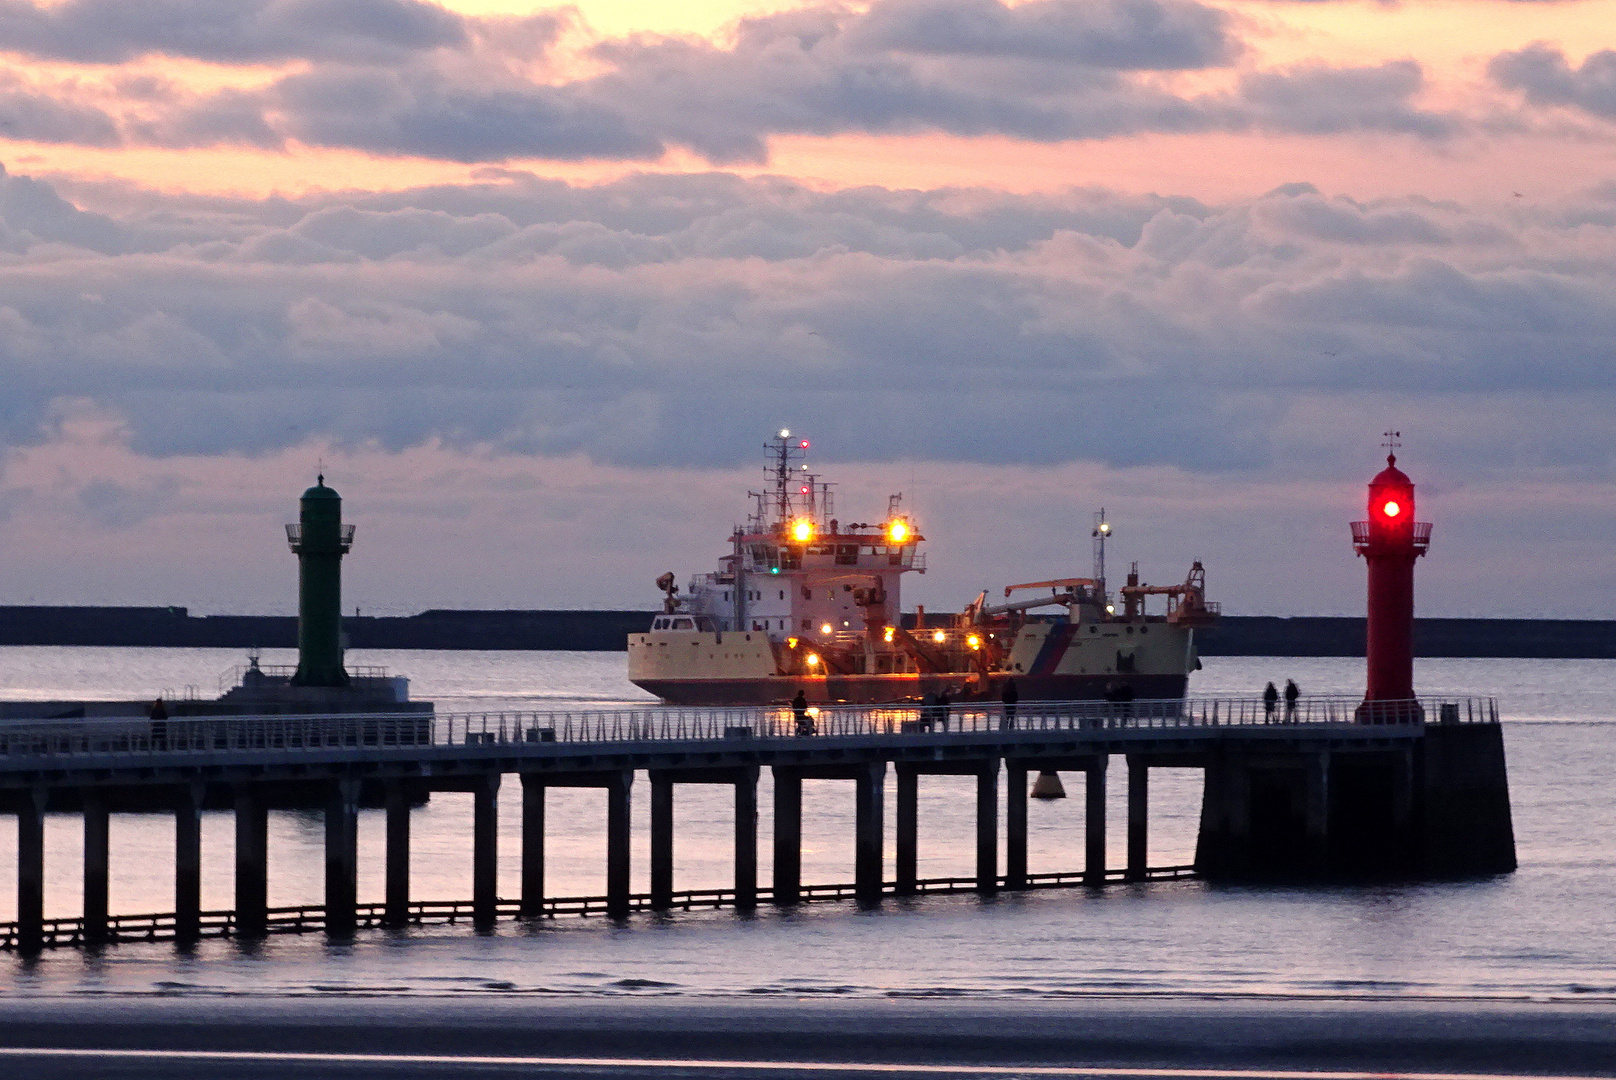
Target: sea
1544	933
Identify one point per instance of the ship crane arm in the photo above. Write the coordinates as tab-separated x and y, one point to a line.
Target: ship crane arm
1062	599
1069	583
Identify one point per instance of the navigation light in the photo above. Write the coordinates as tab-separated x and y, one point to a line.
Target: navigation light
1391	509
897	532
785	433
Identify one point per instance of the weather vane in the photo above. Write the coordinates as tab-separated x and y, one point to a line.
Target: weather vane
1391	444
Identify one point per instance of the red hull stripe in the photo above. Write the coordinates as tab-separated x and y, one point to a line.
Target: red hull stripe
1053	650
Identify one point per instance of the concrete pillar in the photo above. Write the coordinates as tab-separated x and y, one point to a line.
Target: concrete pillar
188	864
1138	818
746	842
869	830
787	835
252	863
485	852
1316	810
1015	826
341	857
31	871
1403	794
532	846
97	866
1094	822
617	844
661	842
397	913
987	827
908	828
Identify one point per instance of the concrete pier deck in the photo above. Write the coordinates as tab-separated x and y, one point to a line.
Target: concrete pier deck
1306	792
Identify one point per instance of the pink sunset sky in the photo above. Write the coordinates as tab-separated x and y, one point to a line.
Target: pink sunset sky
536	283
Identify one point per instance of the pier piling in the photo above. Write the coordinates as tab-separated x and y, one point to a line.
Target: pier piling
661	841
746	838
485	851
532	902
97	866
1138	817
1015	825
1094	821
31	871
341	857
252	862
618	788
787	834
869	832
188	864
397	885
908	827
987	826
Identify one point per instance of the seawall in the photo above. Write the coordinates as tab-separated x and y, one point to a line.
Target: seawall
605	631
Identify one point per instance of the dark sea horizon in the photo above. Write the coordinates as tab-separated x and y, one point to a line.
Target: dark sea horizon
1544	933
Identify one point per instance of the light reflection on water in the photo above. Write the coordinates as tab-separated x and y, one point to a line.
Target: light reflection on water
1544	931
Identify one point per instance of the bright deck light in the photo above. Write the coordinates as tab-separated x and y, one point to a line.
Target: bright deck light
802	530
897	532
825	628
939	637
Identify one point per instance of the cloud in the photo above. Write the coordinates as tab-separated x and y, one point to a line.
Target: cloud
1542	74
230	32
658	318
1126	35
397	81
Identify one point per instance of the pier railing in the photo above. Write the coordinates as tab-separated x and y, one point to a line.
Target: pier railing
213	734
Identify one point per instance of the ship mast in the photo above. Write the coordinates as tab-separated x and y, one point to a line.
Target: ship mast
1102	529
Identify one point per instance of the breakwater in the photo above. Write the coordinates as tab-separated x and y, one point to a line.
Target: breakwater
605	631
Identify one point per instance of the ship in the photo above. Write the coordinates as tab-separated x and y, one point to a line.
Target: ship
804	601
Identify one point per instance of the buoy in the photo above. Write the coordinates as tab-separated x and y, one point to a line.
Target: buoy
1048	786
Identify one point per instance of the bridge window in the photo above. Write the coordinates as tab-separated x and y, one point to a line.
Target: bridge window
683	624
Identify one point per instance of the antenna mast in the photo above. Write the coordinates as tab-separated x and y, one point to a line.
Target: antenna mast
1102	529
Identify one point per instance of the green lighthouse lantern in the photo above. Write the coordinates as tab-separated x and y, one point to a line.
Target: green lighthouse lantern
320	540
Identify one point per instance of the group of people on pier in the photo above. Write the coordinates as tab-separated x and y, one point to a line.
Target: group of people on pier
1270	700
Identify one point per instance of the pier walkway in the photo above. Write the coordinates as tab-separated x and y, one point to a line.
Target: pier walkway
1252	756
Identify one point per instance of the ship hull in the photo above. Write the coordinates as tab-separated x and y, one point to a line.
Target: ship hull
893	689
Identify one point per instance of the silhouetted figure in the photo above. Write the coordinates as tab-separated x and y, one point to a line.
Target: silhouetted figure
1292	692
159	718
1009	698
1270	702
944	702
799	711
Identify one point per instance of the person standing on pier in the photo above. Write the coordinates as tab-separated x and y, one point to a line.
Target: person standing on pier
944	703
1009	698
799	711
1270	702
1292	692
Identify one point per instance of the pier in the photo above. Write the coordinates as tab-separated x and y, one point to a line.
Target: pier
1315	791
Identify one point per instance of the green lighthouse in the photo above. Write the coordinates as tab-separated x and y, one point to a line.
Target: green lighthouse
320	540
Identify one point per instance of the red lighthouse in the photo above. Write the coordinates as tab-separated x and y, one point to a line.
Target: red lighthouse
1390	540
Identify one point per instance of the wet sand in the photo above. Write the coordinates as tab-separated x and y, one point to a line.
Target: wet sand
352	1036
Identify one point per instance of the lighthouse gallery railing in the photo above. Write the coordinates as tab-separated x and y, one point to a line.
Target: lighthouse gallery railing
214	734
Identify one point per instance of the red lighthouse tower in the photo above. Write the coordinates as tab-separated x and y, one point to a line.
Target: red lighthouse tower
1390	541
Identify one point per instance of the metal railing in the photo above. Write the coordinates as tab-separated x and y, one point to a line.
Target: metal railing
237	675
309	918
214	734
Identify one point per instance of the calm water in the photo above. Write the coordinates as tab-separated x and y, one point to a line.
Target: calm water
1548	931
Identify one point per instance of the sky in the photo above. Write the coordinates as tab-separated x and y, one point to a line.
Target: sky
533	285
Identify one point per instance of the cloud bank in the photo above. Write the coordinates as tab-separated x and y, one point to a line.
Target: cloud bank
667	319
